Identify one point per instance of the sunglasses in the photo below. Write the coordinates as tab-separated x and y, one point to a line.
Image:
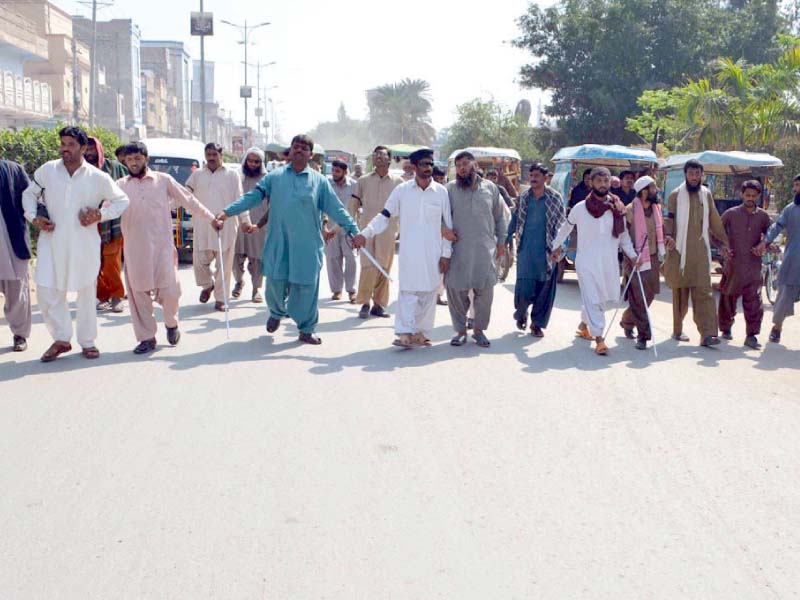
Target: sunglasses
425	163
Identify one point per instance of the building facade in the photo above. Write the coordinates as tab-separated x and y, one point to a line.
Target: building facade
170	60
118	56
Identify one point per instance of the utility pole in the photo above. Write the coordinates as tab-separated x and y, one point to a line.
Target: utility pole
245	30
259	112
93	58
202	24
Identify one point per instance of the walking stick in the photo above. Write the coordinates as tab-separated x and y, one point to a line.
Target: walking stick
374	262
221	263
647	312
625	289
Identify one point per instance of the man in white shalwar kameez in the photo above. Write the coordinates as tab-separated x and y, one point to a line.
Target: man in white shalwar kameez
65	201
600	220
422	206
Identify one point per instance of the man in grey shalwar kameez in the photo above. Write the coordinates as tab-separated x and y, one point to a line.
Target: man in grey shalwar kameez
14	253
479	223
788	223
250	240
338	248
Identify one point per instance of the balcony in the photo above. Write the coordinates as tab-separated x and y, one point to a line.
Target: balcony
24	99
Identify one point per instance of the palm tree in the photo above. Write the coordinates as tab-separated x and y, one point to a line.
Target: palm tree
400	112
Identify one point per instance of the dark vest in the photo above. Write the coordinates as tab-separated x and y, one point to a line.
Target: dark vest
13	182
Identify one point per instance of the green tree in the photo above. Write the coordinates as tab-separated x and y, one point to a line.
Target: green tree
738	107
487	123
399	113
33	147
598	56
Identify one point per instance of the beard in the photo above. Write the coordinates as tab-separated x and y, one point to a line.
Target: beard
600	192
140	174
797	199
693	188
653	198
248	172
466	182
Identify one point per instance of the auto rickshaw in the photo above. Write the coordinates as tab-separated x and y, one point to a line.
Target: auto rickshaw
724	174
505	160
571	160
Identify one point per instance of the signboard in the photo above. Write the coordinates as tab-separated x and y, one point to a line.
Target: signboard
202	23
246	91
259	111
237	144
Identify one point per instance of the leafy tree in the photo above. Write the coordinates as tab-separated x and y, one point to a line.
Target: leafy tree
400	113
598	56
738	107
33	147
486	123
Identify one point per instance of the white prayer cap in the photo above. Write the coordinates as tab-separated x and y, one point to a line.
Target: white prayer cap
642	183
255	150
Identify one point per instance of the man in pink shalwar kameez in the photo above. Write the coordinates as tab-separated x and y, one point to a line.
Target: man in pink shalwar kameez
151	260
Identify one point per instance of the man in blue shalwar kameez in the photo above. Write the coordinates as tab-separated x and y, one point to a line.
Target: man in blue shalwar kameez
298	196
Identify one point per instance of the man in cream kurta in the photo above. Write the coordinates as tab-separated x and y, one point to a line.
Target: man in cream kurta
74	196
151	259
369	198
215	186
250	246
422	206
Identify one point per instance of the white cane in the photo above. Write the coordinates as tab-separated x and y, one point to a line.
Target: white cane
374	262
221	263
622	296
647	312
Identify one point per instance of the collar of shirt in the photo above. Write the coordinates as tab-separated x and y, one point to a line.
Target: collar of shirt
148	175
431	185
85	166
290	169
221	167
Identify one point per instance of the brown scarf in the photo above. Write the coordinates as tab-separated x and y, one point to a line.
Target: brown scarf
598	206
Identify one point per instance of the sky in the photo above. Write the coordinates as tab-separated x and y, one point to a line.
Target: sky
329	52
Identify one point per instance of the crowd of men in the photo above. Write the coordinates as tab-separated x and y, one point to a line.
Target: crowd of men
100	222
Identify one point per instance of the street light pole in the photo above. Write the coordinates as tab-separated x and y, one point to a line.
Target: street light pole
245	30
202	84
259	67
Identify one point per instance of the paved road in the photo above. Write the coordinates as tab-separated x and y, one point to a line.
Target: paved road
259	468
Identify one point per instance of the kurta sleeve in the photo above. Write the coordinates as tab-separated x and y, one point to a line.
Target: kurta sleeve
512	227
331	206
499	214
32	194
626	244
447	218
115	201
190	181
669	220
715	222
564	231
185	199
252	198
357	195
380	222
236	184
779	225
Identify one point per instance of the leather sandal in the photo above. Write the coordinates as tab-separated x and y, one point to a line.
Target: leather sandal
419	339
91	353
583	332
403	341
56	349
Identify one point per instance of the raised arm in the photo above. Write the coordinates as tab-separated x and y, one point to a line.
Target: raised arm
380	222
182	197
252	198
115	201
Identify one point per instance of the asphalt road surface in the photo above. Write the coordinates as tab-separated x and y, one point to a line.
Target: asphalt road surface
257	467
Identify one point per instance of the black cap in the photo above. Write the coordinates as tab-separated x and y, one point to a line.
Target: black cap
418	155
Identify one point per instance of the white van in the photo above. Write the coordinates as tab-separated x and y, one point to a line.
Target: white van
178	158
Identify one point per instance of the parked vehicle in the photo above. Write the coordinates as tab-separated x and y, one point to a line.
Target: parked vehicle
505	160
724	174
570	161
178	158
